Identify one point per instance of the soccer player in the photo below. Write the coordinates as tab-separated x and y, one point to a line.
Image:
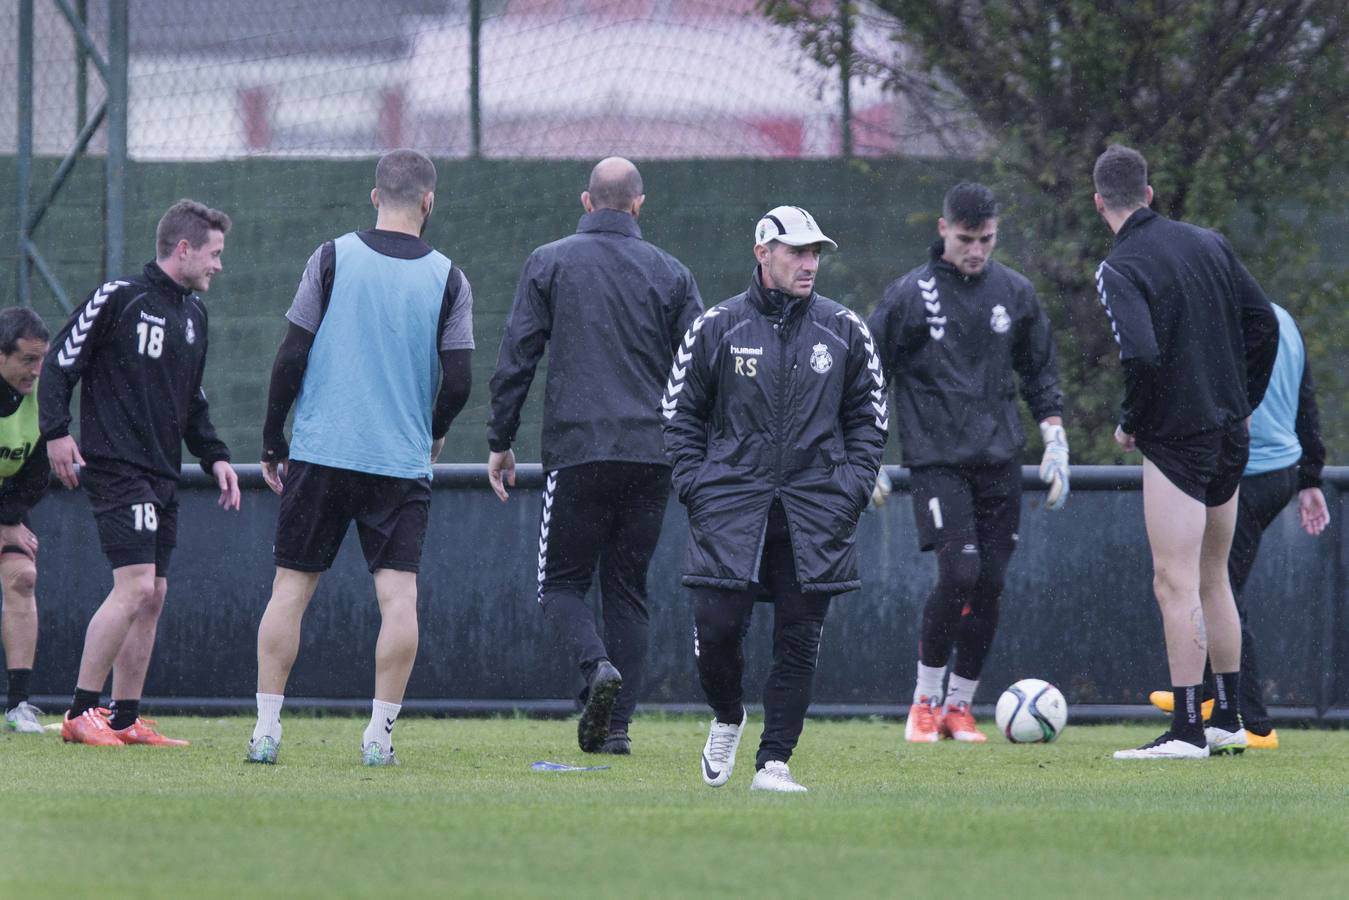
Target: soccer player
1286	459
24	473
138	346
956	334
378	318
775	422
611	309
1197	341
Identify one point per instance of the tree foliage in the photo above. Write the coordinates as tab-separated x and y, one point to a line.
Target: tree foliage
1241	107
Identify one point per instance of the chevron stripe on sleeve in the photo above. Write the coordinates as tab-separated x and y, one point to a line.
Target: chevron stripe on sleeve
84	324
680	367
878	402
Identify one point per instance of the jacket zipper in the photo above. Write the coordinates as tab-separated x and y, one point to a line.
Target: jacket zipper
781	328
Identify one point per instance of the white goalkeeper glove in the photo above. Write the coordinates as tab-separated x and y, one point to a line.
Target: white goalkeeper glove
1054	464
882	490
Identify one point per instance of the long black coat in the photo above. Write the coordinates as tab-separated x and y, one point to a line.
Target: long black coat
772	397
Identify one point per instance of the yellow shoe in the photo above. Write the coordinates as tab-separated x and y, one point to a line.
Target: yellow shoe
1262	741
1164	701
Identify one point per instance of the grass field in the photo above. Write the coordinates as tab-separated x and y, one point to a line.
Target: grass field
465	817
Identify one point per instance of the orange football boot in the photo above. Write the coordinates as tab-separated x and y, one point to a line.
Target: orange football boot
921	726
88	728
958	723
142	731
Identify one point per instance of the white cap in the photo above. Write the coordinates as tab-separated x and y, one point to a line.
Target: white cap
792	225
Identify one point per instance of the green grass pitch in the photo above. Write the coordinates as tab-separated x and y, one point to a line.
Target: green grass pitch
465	817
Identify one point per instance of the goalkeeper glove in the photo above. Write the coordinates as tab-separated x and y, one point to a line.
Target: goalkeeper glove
1054	464
882	490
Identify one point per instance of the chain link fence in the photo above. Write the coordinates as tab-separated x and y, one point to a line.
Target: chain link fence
673	79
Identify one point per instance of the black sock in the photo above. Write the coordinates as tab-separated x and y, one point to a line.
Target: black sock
1226	691
125	713
18	687
1186	723
84	700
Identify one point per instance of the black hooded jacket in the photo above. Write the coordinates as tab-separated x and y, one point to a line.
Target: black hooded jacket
954	347
1197	335
139	347
609	308
775	397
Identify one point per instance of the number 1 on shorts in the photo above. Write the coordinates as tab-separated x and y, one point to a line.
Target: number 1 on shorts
934	506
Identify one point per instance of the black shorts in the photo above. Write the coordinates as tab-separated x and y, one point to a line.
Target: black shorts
320	502
1207	467
977	505
15	548
136	514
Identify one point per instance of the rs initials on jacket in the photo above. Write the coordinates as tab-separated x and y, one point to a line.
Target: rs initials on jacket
746	360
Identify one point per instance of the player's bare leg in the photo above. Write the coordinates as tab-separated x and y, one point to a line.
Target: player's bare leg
279	630
1175	524
18	633
128	674
278	645
1215	590
132	588
133	660
396	648
395	653
1224	732
18	622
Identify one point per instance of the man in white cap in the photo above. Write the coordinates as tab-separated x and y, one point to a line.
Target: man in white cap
775	418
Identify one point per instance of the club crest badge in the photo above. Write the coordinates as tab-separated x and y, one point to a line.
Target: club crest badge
820	360
191	333
1000	321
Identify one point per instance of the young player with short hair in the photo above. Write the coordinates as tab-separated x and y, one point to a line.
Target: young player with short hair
379	317
956	334
1285	462
1197	340
138	346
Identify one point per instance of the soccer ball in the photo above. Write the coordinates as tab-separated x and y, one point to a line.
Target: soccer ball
1031	712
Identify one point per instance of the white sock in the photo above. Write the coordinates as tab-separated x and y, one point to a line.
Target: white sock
960	690
929	683
380	730
269	717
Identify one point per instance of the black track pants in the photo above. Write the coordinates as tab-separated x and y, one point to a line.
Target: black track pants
721	621
604	516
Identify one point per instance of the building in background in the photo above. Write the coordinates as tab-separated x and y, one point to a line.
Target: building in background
557	79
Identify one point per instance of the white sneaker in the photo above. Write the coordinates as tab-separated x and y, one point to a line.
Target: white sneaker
373	754
1165	747
1221	741
775	776
719	751
23	719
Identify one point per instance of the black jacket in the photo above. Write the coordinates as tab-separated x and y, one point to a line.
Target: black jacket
953	346
611	309
140	347
1197	335
772	397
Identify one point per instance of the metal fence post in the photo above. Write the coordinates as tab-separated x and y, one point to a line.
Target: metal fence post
474	77
81	71
24	164
116	162
845	74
